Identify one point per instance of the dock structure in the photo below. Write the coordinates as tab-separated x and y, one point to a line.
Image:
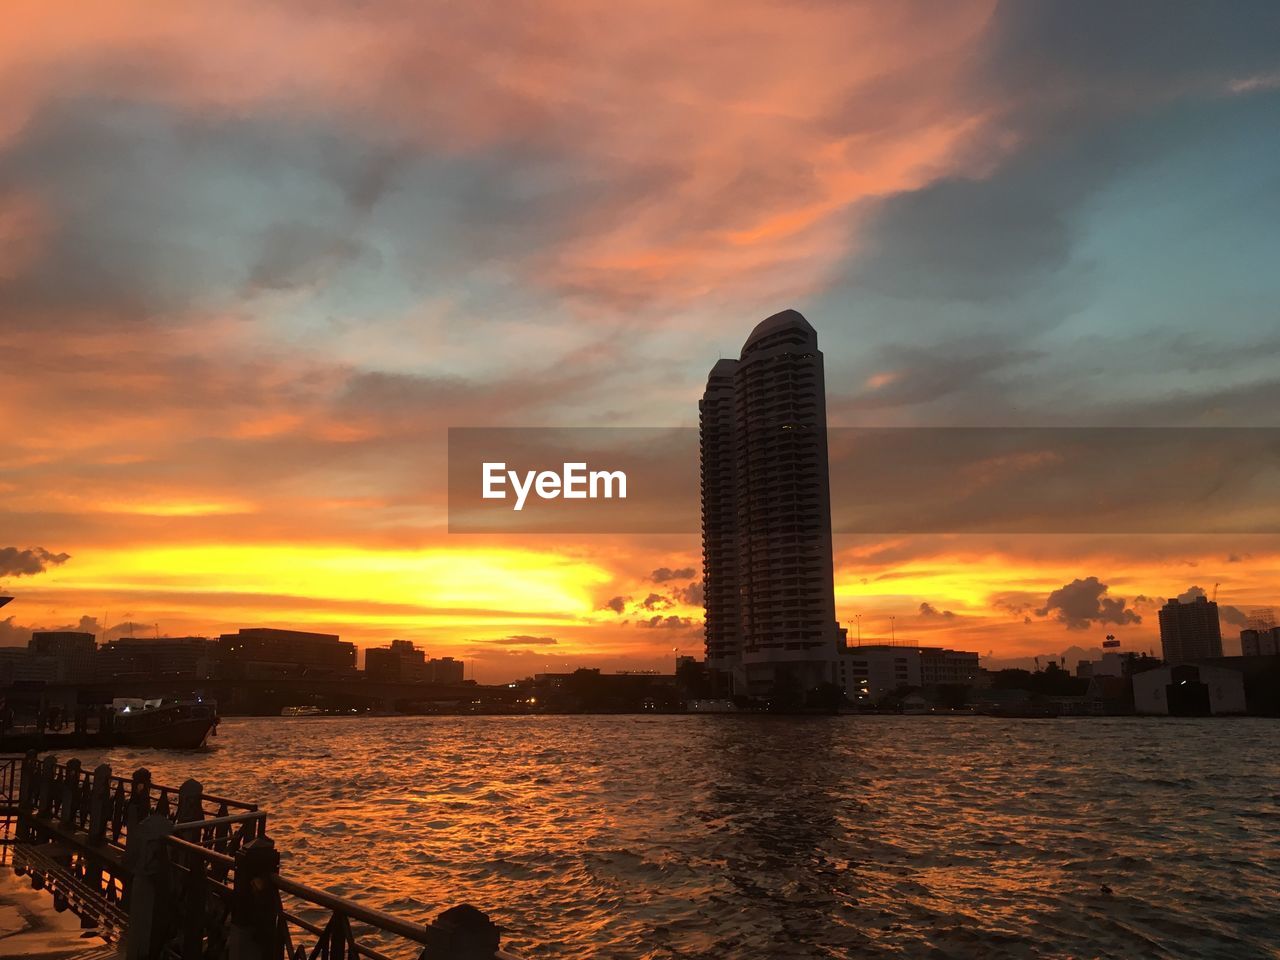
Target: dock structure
162	872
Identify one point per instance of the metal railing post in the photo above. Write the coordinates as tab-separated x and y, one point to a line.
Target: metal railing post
256	913
466	934
194	884
70	793
100	803
150	889
48	780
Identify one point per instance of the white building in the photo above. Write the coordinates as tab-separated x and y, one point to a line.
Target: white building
876	670
1189	690
873	671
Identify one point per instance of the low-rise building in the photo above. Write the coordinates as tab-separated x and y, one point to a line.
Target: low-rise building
940	665
20	665
445	670
72	650
876	670
155	657
402	660
1189	690
266	651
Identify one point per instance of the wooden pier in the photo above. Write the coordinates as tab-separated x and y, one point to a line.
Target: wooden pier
164	872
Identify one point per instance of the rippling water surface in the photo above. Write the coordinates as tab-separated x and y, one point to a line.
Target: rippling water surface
739	837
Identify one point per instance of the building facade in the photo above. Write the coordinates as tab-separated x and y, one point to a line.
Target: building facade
1260	643
71	651
1189	690
445	670
145	657
940	665
872	671
766	513
402	660
1190	631
265	651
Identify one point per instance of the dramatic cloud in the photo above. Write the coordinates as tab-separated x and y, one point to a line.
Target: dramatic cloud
929	611
522	640
25	563
666	574
259	257
668	623
1081	603
693	595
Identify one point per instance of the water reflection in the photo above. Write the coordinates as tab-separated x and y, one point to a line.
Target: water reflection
702	837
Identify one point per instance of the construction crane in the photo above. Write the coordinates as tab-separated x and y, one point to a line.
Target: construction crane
1215	592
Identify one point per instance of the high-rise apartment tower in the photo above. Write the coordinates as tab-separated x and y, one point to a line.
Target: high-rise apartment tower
766	513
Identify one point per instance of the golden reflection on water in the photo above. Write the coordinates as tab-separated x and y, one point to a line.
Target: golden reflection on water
714	837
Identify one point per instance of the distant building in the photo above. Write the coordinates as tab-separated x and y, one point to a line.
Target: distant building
445	670
72	652
1109	695
20	665
265	651
1189	690
872	671
875	670
1190	631
1111	664
940	665
191	658
1260	643
400	661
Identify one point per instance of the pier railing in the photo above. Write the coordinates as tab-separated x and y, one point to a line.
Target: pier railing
176	872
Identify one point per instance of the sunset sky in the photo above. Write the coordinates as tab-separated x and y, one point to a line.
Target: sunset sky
257	257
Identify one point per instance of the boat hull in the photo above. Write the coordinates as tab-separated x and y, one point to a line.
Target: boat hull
188	734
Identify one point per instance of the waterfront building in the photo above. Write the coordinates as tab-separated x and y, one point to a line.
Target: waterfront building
147	657
264	651
71	650
940	665
766	513
1256	642
445	670
1190	631
1189	690
875	670
19	664
402	660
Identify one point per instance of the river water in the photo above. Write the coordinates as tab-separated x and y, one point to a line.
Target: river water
738	837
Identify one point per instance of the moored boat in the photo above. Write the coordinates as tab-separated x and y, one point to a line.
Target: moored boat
168	724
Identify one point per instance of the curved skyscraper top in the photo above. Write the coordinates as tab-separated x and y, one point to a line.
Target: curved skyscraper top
766	512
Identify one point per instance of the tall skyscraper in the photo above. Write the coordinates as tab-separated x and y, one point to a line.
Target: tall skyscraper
1190	631
766	513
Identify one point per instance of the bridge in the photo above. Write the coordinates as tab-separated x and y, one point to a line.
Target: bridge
163	872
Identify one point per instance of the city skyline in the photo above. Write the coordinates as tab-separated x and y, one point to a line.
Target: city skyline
240	308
